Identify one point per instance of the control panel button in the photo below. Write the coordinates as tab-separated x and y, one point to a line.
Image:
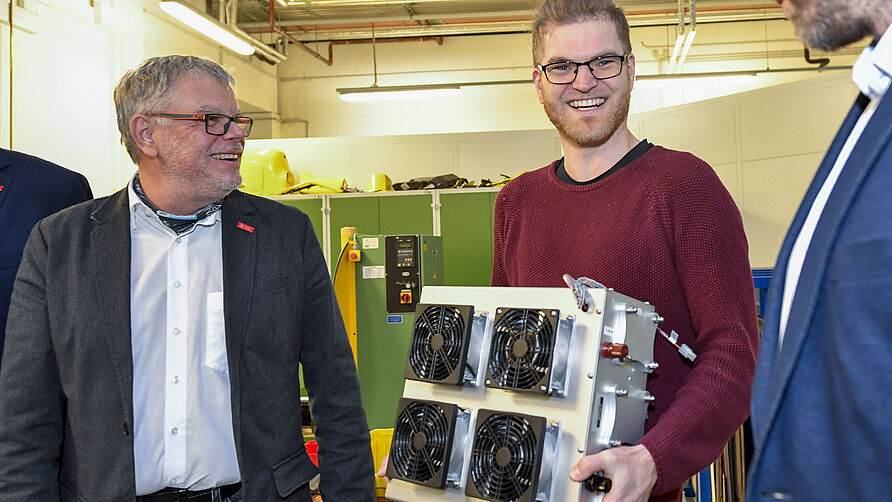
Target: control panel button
406	296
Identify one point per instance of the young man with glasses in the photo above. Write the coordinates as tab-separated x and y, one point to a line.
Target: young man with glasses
652	223
155	335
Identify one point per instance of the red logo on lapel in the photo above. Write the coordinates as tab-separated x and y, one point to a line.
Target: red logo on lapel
2	187
246	227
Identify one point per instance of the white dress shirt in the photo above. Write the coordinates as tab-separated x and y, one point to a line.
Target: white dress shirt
872	74
182	432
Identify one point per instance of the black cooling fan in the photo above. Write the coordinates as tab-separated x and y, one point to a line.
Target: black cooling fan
439	343
422	442
522	349
506	456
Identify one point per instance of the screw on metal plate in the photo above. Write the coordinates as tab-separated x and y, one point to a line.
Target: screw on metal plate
488	381
652	365
615	442
632	309
598	311
591	375
622	392
580	449
543	388
648	397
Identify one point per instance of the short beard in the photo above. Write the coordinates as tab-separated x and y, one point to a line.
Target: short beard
827	27
581	133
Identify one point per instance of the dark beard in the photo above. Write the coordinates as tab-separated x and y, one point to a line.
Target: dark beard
828	28
590	136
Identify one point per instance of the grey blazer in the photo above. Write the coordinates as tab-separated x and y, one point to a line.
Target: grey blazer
66	405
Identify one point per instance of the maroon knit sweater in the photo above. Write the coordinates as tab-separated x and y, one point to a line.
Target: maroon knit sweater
662	229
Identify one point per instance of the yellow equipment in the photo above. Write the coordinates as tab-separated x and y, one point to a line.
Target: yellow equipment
379	183
265	172
314	184
345	285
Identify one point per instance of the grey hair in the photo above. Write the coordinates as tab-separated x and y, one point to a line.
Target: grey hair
145	89
560	12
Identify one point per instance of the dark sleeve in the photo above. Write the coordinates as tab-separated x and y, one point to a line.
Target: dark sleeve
31	400
345	454
75	190
711	256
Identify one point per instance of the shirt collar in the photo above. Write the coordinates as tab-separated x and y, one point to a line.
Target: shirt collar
136	204
872	72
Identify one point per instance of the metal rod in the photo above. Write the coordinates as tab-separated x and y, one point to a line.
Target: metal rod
374	57
693	16
681	17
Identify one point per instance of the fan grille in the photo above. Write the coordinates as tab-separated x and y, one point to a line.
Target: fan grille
421	440
504	460
522	347
437	343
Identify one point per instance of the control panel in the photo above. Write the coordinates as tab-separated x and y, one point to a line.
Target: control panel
402	272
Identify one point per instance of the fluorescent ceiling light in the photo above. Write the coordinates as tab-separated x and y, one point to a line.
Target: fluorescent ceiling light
207	27
684	53
675	50
397	92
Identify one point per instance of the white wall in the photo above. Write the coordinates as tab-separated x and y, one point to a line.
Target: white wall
66	59
765	145
310	106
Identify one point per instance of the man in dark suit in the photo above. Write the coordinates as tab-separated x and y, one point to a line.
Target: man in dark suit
823	386
30	189
154	335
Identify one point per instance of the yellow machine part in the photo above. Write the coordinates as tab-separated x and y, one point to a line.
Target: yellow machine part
381	441
315	184
265	172
379	183
345	286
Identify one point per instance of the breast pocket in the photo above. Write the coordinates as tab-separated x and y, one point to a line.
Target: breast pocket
215	334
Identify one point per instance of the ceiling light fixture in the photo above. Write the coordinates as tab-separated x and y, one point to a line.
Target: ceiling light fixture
207	27
397	92
679	40
689	39
394	92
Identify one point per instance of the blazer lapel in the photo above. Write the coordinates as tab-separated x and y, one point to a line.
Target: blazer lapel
110	265
767	389
239	251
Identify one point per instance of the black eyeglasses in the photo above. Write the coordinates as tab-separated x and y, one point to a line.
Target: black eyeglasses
214	123
602	67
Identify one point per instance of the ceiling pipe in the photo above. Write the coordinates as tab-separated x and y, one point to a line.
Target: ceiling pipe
287	36
821	62
516	22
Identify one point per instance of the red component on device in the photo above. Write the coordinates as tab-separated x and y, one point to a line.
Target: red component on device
614	350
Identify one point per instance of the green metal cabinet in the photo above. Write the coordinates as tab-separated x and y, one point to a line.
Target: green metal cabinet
466	228
464	221
382	337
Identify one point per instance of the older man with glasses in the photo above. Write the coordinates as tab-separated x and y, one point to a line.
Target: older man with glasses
154	336
652	223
